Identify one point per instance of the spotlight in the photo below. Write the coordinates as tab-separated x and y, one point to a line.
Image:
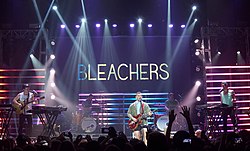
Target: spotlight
54	7
196	41
52	56
139	20
52	97
238	52
31	55
183	26
52	84
132	25
197	53
195	20
170	25
114	25
194	7
84	20
150	25
98	25
77	26
219	52
52	42
105	20
198	83
63	26
52	71
198	98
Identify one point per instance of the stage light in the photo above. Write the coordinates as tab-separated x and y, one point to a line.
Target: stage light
52	56
84	20
52	84
198	83
132	25
238	52
196	41
150	25
105	20
114	25
77	26
198	98
194	7
183	26
63	26
52	71
139	20
197	53
52	97
195	20
31	55
170	25
219	52
54	7
98	25
52	42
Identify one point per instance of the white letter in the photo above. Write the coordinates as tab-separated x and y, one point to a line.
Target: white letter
118	72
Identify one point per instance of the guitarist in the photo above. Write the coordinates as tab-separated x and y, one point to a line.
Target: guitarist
138	112
22	100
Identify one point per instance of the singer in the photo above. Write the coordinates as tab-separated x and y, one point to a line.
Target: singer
23	104
138	113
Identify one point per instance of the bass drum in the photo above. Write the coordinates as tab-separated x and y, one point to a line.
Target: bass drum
162	122
88	124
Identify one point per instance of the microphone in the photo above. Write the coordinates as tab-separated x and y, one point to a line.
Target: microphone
221	90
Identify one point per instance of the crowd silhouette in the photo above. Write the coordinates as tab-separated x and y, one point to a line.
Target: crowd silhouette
118	141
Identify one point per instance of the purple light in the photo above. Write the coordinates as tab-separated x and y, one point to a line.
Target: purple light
114	25
132	25
63	26
150	25
183	26
77	26
98	25
170	25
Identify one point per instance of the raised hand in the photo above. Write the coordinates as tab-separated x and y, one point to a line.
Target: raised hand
185	111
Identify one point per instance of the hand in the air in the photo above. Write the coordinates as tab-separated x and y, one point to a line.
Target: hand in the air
185	112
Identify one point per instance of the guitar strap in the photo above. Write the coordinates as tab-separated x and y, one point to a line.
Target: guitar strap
142	108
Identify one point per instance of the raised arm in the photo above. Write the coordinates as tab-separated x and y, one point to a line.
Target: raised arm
172	117
186	113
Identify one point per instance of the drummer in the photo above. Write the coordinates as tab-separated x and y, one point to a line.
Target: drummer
87	106
171	103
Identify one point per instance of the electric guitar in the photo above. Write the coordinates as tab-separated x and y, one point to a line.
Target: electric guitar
133	125
20	109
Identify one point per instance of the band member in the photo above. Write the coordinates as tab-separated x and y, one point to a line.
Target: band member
227	100
171	103
87	105
138	112
23	104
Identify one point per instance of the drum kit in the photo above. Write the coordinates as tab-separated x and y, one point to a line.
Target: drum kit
161	122
83	120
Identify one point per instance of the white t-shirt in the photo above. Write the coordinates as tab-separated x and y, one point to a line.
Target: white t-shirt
23	98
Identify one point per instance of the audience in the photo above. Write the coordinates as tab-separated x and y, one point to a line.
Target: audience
157	141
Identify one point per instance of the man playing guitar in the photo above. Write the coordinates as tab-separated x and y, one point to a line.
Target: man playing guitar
138	112
24	100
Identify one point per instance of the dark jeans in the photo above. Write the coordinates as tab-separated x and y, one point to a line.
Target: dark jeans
28	127
228	111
